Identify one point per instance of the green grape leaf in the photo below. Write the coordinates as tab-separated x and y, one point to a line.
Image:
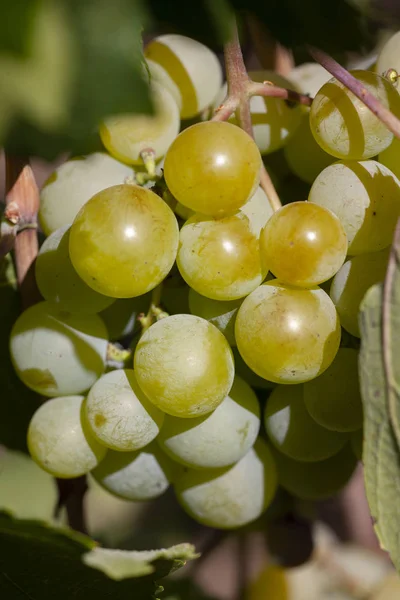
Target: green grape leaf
380	453
42	563
16	17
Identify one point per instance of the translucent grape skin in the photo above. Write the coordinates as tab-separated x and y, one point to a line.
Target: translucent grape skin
119	414
56	353
341	123
220	314
59	441
333	399
218	439
303	245
293	432
136	476
124	241
59	283
287	334
213	168
220	258
184	365
351	283
231	497
365	196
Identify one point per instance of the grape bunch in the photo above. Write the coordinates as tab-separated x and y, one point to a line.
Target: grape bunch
188	334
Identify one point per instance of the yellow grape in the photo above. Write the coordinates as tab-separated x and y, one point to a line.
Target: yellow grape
303	244
123	242
287	334
213	168
258	210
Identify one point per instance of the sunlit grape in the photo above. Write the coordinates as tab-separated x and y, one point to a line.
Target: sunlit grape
221	314
159	74
123	242
258	210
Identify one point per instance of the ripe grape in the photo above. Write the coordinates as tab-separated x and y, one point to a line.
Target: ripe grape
59	283
136	476
352	282
220	258
184	365
287	334
56	353
123	242
356	441
220	314
194	69
118	413
309	77
390	157
231	497
218	439
73	184
59	440
344	126
303	244
333	399
365	196
258	210
126	136
121	317
389	57
213	168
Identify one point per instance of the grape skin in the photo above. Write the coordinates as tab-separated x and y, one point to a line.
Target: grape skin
287	334
309	78
157	73
124	241
118	413
258	210
218	439
232	497
184	365
56	353
213	168
59	441
220	314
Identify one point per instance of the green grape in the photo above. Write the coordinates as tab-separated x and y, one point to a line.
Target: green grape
258	210
220	314
309	78
248	375
194	69
304	156
56	353
333	399
126	136
218	439
293	432
184	365
344	126
303	244
365	196
287	334
136	476
356	441
213	168
121	317
59	441
352	282
390	157
123	242
73	183
183	212
389	55
59	283
315	480
118	413
220	258
231	497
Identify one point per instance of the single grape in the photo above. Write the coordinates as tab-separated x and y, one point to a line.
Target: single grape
59	283
303	245
352	282
220	314
390	157
315	480
287	334
309	78
218	439
293	432
56	353
184	365
333	399
136	476
344	126
389	57
124	241
365	196
73	184
258	210
59	440
356	441
231	497
126	136
121	317
194	69
213	168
